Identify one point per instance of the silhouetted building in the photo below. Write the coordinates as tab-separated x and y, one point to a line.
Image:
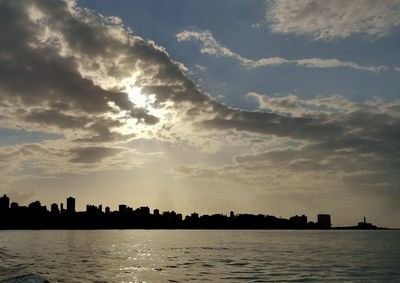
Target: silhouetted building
129	210
144	210
122	209
324	221
36	216
70	205
14	205
36	207
54	209
92	209
365	225
298	221
61	207
4	203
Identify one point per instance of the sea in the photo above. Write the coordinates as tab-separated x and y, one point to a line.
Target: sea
200	256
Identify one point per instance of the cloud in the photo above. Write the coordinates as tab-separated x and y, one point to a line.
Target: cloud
67	70
335	19
50	159
75	65
201	68
44	46
93	154
296	106
324	144
212	47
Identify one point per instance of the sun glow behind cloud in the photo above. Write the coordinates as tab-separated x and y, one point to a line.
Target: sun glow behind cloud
142	103
139	99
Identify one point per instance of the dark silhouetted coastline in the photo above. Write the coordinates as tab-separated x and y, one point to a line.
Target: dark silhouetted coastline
37	216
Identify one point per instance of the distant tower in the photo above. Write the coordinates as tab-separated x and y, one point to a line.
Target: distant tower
365	220
107	210
70	205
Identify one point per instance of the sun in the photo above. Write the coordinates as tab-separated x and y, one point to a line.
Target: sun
135	95
144	101
141	101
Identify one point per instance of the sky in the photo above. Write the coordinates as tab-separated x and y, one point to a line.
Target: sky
275	107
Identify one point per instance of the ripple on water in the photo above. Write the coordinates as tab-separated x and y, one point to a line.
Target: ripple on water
204	256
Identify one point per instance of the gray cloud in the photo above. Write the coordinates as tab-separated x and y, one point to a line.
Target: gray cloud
334	19
93	154
54	117
344	145
50	78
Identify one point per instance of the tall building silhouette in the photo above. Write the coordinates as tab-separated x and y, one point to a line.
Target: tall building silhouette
324	221
4	202
70	205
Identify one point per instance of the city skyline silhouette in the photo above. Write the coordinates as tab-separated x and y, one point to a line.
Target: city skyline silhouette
37	216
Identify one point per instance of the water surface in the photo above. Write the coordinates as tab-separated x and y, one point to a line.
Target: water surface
204	256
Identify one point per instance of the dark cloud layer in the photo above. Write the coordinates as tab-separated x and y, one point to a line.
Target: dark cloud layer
36	73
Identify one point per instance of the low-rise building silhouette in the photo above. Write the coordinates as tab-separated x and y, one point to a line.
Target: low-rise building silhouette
298	221
54	209
107	210
365	225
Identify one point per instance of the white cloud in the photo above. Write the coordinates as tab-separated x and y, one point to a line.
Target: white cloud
334	19
212	47
301	107
201	68
334	63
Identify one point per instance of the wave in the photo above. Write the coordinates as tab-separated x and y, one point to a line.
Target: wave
29	278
